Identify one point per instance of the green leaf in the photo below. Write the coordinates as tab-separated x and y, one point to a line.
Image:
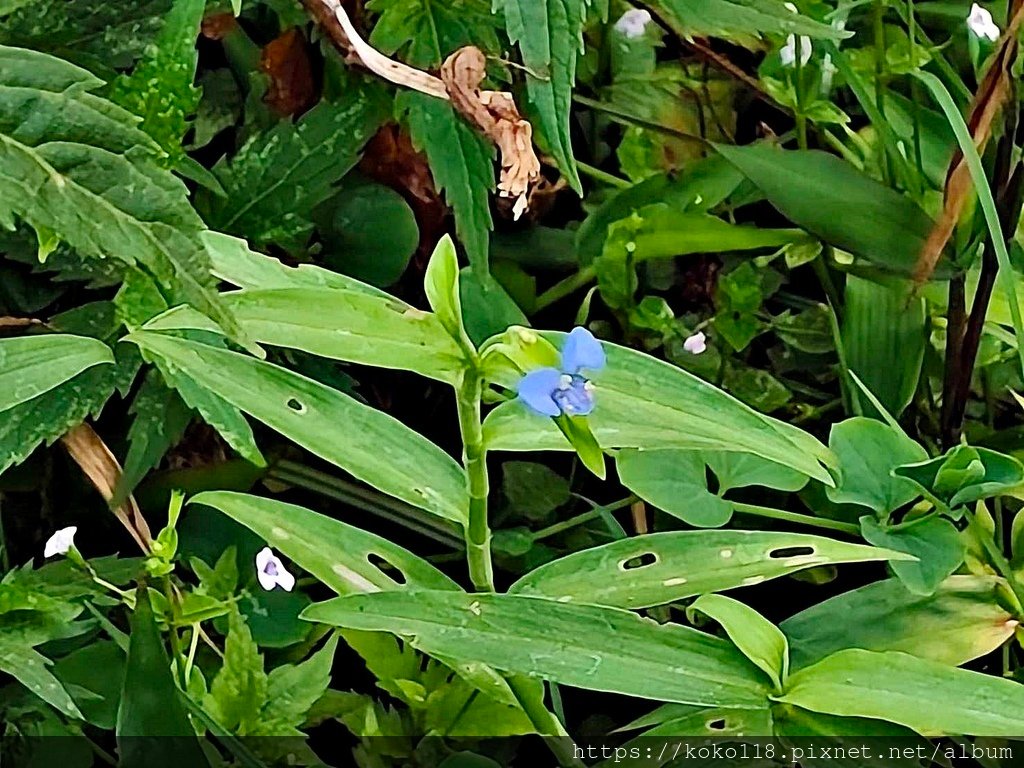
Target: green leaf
550	37
368	231
744	470
659	568
161	417
576	430
159	89
93	674
868	452
926	696
377	448
293	689
533	490
884	338
233	262
1007	279
441	284
338	554
151	704
239	690
675	482
589	647
642	402
276	178
339	324
743	18
66	171
461	162
424	33
964	474
962	620
33	365
837	203
487	308
933	540
759	640
47	417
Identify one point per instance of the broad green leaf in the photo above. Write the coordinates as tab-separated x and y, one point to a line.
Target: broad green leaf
846	736
837	203
338	554
292	689
926	696
424	33
934	541
659	568
239	690
868	452
93	674
159	89
487	308
339	324
32	669
461	163
744	470
642	402
33	365
884	335
276	178
65	171
589	647
965	474
161	417
234	262
739	18
700	187
675	482
152	727
687	720
758	639
100	36
550	37
962	620
375	447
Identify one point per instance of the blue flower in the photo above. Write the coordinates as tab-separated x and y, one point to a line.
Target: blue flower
565	390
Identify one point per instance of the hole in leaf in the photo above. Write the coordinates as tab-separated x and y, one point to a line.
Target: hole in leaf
295	405
716	725
640	561
784	552
387	568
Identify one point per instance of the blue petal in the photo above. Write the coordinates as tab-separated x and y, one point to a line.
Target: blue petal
582	350
536	389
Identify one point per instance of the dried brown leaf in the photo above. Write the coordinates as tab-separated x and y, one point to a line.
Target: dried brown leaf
285	62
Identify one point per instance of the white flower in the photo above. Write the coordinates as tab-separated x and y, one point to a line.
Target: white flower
788	52
633	22
271	571
980	23
60	542
696	344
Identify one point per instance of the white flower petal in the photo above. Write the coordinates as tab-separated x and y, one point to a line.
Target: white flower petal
270	571
286	581
267	581
696	344
263	557
60	542
633	23
980	22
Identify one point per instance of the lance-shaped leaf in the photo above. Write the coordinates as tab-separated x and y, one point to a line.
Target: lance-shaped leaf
33	365
658	568
591	647
374	447
740	19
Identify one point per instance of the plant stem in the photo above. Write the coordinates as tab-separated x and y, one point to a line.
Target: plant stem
585	517
880	53
796	517
583	277
546	725
603	176
474	460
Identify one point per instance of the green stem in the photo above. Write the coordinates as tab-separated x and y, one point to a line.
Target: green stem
179	659
996	556
603	176
880	52
582	518
796	517
546	725
474	460
560	290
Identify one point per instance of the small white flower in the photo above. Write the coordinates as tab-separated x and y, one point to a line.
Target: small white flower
696	344
980	23
271	571
788	52
60	542
633	23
